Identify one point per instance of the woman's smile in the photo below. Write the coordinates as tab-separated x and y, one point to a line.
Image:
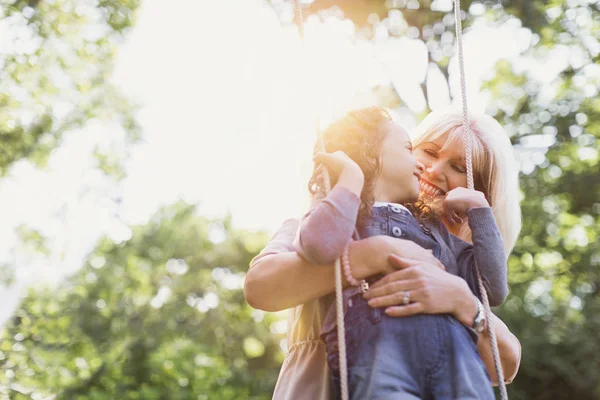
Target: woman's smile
430	189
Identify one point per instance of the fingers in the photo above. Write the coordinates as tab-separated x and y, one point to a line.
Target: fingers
454	218
404	274
405	311
452	215
392	289
336	155
397	298
440	265
401	262
323	158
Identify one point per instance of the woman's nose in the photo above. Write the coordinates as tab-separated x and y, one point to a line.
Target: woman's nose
435	170
420	168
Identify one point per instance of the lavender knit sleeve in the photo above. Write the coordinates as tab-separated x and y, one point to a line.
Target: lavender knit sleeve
326	229
487	250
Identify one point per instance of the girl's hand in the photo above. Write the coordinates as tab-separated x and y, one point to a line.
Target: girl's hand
370	256
430	290
342	169
406	249
459	201
337	162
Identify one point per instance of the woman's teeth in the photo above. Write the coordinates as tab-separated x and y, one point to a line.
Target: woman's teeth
431	190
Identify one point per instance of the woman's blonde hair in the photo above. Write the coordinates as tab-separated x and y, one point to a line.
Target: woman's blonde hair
494	166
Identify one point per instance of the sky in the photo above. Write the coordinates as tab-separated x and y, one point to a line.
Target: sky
228	102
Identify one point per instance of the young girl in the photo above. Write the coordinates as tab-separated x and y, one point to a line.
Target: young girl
374	172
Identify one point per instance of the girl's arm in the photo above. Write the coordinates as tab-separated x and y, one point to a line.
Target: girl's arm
326	229
279	278
487	250
328	226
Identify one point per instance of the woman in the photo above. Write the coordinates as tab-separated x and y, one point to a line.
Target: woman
280	279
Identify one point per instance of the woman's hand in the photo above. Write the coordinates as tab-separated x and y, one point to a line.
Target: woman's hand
430	290
433	291
459	201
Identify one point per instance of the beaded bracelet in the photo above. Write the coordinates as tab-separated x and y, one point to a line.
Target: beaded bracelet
346	265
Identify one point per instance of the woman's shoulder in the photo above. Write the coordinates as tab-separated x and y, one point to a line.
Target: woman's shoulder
281	241
288	226
284	235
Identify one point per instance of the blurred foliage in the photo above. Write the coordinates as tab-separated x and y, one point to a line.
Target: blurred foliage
420	13
162	315
554	123
555	269
54	71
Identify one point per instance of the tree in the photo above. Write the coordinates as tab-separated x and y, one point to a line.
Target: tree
553	122
159	316
555	278
162	314
54	75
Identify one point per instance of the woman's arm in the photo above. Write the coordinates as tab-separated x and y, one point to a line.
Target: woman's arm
283	280
509	349
433	291
279	278
509	346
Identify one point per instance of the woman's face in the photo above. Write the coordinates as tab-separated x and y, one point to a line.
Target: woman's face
444	169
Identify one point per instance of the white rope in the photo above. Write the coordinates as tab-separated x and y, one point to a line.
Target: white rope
339	300
471	185
339	307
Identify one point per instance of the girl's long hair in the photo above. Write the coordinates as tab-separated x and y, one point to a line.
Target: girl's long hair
359	134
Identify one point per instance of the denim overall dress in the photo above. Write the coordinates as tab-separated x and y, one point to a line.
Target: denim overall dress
417	357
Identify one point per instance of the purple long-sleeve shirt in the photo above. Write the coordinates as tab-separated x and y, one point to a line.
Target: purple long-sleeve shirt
326	229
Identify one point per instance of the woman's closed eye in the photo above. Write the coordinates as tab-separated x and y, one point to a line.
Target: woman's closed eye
430	152
459	168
